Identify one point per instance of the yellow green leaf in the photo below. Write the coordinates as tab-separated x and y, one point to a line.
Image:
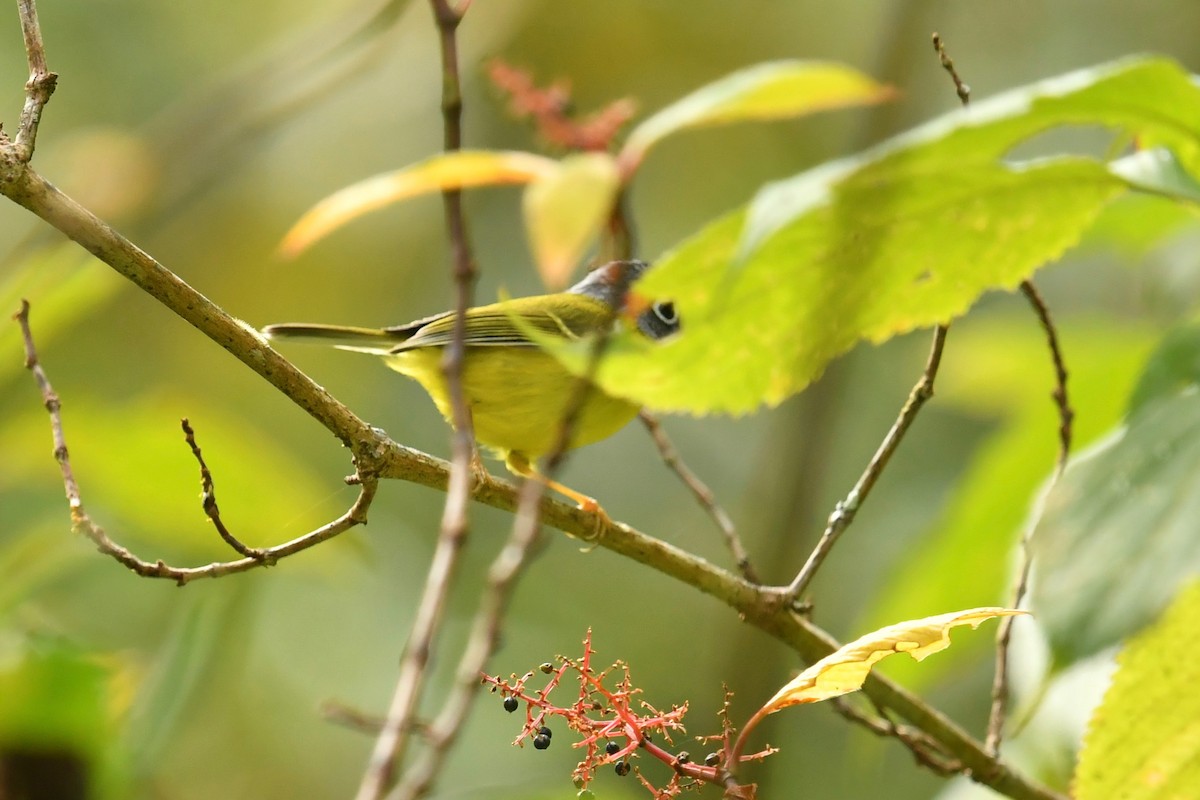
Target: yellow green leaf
846	669
565	208
774	90
1144	740
457	170
906	235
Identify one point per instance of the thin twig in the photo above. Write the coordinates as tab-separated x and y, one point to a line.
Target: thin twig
208	499
703	495
82	523
54	406
1000	693
925	750
505	571
503	575
845	511
351	718
393	739
961	89
41	81
1066	415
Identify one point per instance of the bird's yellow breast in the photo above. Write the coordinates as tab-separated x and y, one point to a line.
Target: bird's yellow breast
517	397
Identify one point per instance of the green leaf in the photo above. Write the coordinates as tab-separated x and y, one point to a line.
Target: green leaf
1157	171
1175	366
1137	224
1144	739
1119	533
565	210
774	90
906	235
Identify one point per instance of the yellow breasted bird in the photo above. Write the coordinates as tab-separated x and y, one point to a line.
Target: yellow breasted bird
517	393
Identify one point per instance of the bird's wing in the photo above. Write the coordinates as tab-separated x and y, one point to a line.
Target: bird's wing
493	325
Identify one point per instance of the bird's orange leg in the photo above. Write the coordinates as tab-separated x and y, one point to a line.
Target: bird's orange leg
518	464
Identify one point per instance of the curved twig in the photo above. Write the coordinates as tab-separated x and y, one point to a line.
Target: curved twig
83	524
1000	694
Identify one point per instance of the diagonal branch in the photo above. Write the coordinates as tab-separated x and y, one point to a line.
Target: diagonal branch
845	511
703	495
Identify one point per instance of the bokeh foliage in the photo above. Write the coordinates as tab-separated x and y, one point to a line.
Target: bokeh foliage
202	134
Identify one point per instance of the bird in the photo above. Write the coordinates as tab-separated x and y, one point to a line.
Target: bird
516	392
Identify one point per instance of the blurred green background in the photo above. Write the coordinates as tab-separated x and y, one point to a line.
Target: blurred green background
204	131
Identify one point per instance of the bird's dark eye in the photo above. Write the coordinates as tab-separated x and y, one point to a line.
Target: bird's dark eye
666	313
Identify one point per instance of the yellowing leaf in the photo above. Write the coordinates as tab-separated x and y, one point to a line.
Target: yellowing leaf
565	209
774	90
846	669
457	170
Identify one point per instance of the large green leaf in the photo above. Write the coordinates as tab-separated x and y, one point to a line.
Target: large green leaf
906	235
1119	534
1144	740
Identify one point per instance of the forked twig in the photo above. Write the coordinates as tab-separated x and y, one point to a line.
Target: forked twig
83	524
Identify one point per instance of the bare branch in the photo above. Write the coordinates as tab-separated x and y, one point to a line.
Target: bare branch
703	495
961	89
845	511
1000	692
1066	414
82	523
40	85
503	575
925	750
208	499
393	738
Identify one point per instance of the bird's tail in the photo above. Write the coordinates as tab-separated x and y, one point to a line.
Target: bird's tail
344	337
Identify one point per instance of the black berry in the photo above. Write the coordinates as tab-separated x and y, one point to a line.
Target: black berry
511	704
